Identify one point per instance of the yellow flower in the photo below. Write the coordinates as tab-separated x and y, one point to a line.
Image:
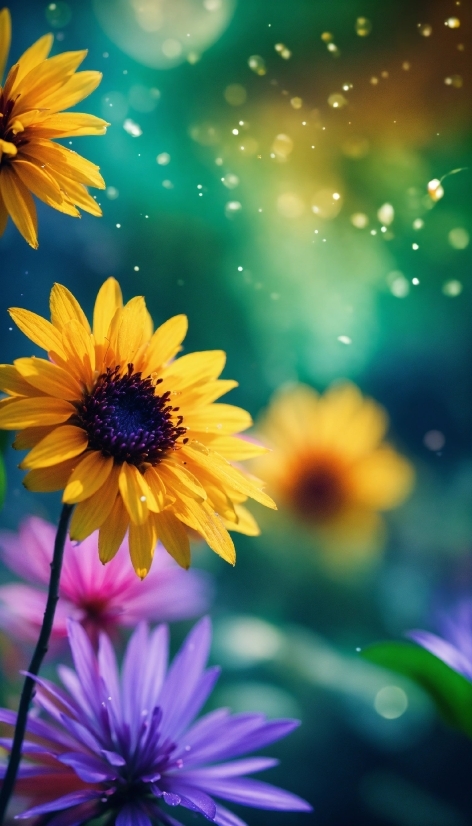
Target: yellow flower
331	468
35	92
129	432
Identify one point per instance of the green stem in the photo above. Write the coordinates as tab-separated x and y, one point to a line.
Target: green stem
38	656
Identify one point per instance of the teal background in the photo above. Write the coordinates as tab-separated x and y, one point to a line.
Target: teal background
279	318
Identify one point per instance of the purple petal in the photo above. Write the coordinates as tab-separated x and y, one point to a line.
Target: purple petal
82	813
167	595
88	768
82	735
144	668
171	799
113	758
256	794
109	673
132	816
86	665
234	735
65	802
183	677
29	553
55	692
444	650
234	769
192	798
43	730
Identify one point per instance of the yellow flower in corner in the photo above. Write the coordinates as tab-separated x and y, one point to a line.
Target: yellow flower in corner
130	433
35	92
331	468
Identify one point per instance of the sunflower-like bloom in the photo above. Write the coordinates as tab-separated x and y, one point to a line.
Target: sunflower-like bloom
331	468
127	747
129	432
32	98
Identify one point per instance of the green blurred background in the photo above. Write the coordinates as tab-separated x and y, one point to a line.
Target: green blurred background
210	212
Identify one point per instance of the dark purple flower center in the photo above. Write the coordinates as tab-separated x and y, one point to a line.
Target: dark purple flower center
126	419
6	127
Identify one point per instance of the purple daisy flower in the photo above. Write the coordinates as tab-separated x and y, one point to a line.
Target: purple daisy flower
123	745
454	646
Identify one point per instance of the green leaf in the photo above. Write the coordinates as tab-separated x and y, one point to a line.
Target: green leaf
451	692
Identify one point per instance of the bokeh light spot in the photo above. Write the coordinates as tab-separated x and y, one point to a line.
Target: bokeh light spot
391	702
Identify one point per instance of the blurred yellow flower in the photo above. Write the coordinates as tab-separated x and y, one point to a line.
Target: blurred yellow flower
330	467
32	98
129	432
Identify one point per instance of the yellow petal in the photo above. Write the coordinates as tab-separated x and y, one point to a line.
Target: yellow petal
30	436
234	449
5	39
201	518
218	418
77	193
12	382
174	537
180	479
109	299
80	351
194	368
65	307
134	497
44	79
62	444
165	343
48	378
92	513
246	523
203	394
131	329
66	162
48	479
142	542
382	480
37	329
35	413
88	477
70	124
221	503
20	205
34	55
3	214
78	87
227	475
39	182
158	500
112	531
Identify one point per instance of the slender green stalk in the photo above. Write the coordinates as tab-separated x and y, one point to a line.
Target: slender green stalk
38	656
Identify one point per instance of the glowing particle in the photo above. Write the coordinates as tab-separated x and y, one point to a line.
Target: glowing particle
425	29
163	158
374	81
418	223
58	14
406	66
132	128
112	193
452	288
452	22
167	184
257	64
325	205
326	37
193	57
345	339
235	94
136	269
391	702
363	26
279	47
384	74
118	226
296	103
240	269
282	146
455	81
459	238
235	131
333	49
435	190
359	220
373	232
290	205
415	281
232	208
347	87
336	196
286	54
337	101
434	440
399	285
415	246
386	214
230	181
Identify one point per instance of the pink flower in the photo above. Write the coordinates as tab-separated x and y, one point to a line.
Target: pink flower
101	597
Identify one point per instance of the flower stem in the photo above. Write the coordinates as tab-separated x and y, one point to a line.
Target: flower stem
38	656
